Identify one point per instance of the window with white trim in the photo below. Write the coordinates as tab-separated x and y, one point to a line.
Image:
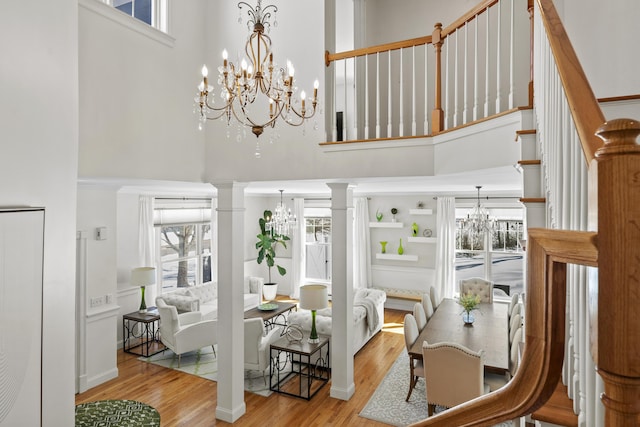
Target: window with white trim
152	12
318	245
184	240
495	255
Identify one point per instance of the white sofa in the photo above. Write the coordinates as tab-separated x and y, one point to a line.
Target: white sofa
204	298
368	317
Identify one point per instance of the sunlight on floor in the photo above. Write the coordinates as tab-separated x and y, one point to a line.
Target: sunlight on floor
393	327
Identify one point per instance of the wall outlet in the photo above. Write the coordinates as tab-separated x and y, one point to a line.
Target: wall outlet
96	302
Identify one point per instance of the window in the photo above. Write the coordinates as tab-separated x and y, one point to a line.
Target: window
318	245
152	12
495	256
184	239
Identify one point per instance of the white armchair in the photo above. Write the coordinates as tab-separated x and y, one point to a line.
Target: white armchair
185	332
257	345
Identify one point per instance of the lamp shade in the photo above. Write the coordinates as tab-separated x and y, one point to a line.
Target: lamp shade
313	297
143	276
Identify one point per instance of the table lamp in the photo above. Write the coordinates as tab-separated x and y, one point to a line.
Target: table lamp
143	276
313	297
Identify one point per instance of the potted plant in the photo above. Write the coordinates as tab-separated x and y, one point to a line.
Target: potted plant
469	303
394	211
266	246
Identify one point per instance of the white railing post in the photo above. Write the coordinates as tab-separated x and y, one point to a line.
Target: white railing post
498	61
401	97
389	99
378	95
413	91
486	65
366	97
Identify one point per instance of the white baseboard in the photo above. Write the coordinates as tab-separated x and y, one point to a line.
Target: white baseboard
342	394
230	416
102	378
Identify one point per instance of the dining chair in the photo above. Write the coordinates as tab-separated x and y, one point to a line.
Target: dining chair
420	316
495	380
514	300
453	374
516	322
416	366
434	293
517	309
427	305
477	286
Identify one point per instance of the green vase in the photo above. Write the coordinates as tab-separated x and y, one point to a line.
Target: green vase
384	247
143	304
400	248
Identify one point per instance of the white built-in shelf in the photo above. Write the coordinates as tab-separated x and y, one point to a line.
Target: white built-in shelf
386	225
420	211
396	257
419	239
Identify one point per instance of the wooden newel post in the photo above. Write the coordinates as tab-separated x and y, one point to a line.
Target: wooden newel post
437	116
616	341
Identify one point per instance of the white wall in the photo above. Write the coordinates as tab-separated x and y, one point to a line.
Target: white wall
605	39
39	139
136	96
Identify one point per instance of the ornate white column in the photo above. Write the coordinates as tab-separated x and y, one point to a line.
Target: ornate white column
342	384
230	254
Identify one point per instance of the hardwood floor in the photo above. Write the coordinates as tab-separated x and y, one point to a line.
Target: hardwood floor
187	400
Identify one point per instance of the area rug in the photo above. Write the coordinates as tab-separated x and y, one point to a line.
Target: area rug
387	405
116	413
204	364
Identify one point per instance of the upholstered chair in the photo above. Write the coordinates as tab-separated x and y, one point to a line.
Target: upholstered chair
416	367
257	345
514	324
495	380
187	331
517	309
453	374
434	293
477	286
420	316
427	305
514	301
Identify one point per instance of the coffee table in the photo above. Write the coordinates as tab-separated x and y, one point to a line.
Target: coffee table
271	317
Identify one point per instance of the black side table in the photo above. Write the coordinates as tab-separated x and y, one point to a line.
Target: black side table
141	333
310	367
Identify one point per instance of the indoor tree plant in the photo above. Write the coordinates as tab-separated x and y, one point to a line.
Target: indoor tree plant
266	246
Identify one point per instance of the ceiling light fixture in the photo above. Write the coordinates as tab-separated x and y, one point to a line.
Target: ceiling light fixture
256	78
282	220
478	219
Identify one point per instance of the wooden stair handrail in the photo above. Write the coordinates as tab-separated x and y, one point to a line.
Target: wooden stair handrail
548	252
583	104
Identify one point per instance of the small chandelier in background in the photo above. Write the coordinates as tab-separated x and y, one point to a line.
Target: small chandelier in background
256	82
478	220
282	219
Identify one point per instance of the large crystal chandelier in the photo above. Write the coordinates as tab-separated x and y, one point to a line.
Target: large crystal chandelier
257	83
282	220
478	220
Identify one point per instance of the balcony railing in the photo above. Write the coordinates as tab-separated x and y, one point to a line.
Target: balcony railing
474	68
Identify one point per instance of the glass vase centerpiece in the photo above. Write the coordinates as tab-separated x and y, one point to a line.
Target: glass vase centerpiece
469	302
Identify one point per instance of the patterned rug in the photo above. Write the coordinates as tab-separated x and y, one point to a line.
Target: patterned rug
116	413
388	405
204	364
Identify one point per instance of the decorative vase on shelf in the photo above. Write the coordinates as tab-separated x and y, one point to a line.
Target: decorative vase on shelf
400	248
379	216
414	229
384	247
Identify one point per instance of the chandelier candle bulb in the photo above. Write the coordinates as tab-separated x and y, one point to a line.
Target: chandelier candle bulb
224	58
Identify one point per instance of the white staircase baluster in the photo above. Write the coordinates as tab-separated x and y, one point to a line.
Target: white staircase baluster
401	98
378	95
498	61
389	99
456	79
366	97
413	90
475	70
447	111
486	65
465	98
426	89
512	56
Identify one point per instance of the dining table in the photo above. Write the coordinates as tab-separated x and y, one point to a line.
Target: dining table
489	332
